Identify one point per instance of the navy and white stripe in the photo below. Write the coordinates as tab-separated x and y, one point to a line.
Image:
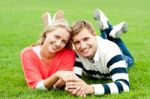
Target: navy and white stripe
109	62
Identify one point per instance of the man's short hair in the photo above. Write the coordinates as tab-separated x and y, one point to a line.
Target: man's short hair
80	25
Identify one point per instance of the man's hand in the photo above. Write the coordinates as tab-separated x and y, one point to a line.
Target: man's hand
79	88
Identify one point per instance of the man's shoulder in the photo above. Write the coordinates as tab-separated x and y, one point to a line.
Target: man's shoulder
102	41
106	44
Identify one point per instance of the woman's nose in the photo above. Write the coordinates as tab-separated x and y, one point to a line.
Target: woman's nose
58	43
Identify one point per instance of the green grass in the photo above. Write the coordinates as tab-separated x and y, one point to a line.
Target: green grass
20	26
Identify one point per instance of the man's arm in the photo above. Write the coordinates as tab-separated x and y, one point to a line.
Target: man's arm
118	71
78	67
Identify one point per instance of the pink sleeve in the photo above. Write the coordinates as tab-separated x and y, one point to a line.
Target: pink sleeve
30	69
68	60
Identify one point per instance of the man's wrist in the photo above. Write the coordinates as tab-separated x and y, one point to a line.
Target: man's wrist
90	89
98	89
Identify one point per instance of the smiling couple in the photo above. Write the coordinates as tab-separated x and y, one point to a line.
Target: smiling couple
53	62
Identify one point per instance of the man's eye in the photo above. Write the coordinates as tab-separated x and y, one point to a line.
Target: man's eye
57	37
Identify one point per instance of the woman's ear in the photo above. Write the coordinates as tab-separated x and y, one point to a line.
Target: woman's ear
94	34
46	19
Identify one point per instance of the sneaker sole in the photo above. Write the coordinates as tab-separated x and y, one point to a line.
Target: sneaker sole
99	16
96	15
124	27
46	19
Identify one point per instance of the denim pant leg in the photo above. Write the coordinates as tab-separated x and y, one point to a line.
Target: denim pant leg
105	33
126	54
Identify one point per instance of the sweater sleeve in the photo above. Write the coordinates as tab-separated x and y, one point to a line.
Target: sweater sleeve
78	67
118	71
30	69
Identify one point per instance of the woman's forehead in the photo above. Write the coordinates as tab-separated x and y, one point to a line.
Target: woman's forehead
60	32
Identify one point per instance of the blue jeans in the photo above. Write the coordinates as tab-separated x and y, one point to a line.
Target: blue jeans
126	54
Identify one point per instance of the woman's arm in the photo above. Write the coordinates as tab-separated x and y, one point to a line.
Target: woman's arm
65	76
49	82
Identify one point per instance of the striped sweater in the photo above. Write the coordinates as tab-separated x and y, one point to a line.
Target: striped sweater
108	62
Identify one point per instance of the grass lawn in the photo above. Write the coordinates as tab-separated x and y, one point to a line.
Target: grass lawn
20	26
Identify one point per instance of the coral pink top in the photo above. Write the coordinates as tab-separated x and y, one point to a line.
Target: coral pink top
35	70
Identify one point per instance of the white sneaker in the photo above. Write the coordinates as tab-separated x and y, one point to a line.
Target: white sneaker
102	20
118	30
47	19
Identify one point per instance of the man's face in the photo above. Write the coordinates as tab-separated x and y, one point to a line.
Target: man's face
85	43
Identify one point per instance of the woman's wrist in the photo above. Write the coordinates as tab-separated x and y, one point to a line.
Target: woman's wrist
57	74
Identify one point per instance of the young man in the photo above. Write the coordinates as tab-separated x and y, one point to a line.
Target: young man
100	57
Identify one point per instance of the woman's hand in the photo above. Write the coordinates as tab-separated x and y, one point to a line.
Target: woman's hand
54	80
67	76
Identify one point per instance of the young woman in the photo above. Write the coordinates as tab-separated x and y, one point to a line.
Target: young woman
50	62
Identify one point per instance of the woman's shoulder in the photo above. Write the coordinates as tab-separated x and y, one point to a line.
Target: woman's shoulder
26	50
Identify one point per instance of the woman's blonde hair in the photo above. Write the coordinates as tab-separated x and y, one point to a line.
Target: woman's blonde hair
62	23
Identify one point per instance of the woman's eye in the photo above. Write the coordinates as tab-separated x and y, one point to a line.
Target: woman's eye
57	37
65	42
77	42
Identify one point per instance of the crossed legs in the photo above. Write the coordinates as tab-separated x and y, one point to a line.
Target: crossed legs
47	18
113	33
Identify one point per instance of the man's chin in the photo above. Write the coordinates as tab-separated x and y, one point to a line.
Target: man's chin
85	55
88	56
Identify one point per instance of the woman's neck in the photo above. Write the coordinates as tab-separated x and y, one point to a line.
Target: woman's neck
46	56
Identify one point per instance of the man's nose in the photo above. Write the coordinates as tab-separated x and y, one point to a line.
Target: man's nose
83	45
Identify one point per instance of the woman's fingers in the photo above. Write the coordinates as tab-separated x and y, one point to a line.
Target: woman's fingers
67	76
74	83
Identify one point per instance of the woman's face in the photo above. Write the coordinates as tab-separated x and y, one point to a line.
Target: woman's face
56	40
